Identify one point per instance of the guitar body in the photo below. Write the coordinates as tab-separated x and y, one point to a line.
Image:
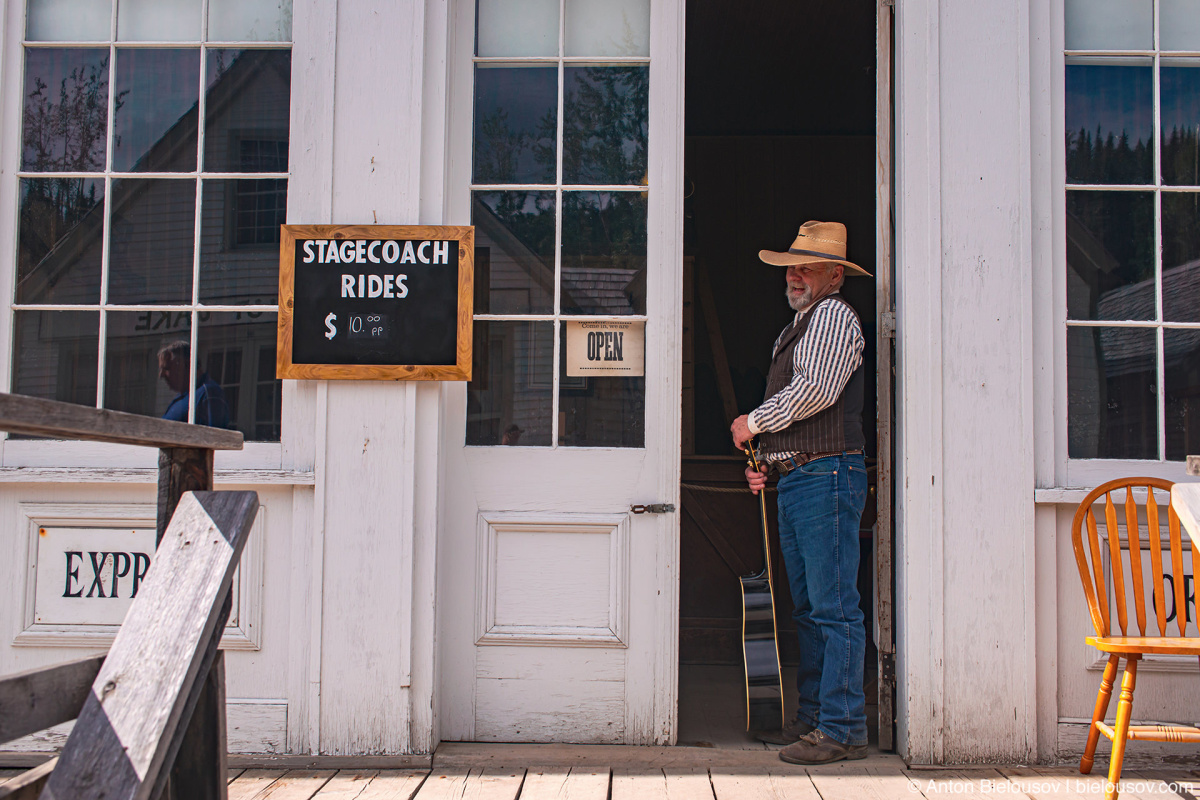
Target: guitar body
764	688
760	645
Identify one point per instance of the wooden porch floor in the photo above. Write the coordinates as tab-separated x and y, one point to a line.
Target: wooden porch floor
684	776
478	772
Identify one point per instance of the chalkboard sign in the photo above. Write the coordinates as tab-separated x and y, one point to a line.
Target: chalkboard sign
375	302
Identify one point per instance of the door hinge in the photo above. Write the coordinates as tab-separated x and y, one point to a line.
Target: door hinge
887	667
887	323
654	508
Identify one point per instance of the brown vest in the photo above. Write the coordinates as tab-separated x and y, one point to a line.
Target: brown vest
830	430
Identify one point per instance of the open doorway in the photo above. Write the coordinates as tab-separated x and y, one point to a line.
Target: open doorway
780	128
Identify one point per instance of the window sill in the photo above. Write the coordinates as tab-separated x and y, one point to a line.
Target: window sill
149	476
57	454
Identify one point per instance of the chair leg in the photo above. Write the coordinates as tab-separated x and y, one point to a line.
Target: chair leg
1121	729
1106	687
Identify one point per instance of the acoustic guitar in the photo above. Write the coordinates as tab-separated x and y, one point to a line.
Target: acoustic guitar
760	647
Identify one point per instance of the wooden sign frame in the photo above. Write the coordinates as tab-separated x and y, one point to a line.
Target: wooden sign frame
458	371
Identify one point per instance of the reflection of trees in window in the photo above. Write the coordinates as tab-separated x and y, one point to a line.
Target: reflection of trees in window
1106	157
65	126
499	147
605	122
1180	165
50	209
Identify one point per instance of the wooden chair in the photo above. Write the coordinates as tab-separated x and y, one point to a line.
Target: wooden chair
1131	646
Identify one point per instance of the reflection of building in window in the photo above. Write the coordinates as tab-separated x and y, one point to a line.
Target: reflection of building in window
268	397
213	283
260	205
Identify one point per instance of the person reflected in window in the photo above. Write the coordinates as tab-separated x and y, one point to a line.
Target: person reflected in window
174	363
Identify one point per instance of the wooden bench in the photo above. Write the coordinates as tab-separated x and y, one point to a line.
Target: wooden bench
151	714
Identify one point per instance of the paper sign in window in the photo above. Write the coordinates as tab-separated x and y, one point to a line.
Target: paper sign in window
606	348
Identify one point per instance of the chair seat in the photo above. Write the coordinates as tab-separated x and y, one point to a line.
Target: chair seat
1168	645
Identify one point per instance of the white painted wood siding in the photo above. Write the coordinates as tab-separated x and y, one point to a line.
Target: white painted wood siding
965	565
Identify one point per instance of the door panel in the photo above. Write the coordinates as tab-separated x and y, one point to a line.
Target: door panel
557	606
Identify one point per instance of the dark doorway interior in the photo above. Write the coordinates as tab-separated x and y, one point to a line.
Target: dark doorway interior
780	128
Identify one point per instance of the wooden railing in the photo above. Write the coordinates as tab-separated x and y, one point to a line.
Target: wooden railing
150	716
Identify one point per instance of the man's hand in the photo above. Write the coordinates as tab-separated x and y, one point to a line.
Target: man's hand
741	432
757	480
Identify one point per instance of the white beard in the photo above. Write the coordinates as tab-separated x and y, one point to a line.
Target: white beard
798	303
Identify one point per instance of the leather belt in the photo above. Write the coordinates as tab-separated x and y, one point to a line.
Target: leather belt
787	465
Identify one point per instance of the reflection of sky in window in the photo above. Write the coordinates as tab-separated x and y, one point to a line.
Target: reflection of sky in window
1114	99
1180	88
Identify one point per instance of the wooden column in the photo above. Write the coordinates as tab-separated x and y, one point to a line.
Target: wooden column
198	765
180	469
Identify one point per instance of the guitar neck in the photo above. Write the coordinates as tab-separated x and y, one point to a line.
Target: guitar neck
762	505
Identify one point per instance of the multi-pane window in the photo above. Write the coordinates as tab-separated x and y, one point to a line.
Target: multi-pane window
1133	228
152	184
559	204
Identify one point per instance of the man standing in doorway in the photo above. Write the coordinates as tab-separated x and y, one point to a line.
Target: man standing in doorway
810	432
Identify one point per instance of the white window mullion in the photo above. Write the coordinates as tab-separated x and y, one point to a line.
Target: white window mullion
558	215
1161	392
193	368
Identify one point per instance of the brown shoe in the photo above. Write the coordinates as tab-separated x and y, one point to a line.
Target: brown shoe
817	748
790	733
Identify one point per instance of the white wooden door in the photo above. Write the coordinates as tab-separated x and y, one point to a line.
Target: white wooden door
557	605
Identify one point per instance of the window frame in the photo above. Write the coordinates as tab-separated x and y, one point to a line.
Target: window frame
1088	472
51	454
461	187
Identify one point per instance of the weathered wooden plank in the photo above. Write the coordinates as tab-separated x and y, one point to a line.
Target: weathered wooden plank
743	786
34	416
40	698
131	721
231	774
202	757
493	784
394	784
973	784
639	784
688	783
347	784
298	784
252	781
565	783
1138	785
1066	784
447	784
853	780
7	774
28	784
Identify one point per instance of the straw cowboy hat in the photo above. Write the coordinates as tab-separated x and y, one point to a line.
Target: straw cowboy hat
817	242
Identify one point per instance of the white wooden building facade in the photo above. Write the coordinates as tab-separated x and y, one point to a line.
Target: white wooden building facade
407	584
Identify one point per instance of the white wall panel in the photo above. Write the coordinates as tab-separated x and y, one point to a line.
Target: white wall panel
369	473
964	313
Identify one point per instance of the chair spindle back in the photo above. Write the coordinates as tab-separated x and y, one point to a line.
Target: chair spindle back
1090	561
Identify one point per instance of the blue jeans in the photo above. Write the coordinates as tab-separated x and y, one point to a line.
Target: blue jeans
820	505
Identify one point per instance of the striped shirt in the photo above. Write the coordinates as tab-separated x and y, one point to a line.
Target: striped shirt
823	361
